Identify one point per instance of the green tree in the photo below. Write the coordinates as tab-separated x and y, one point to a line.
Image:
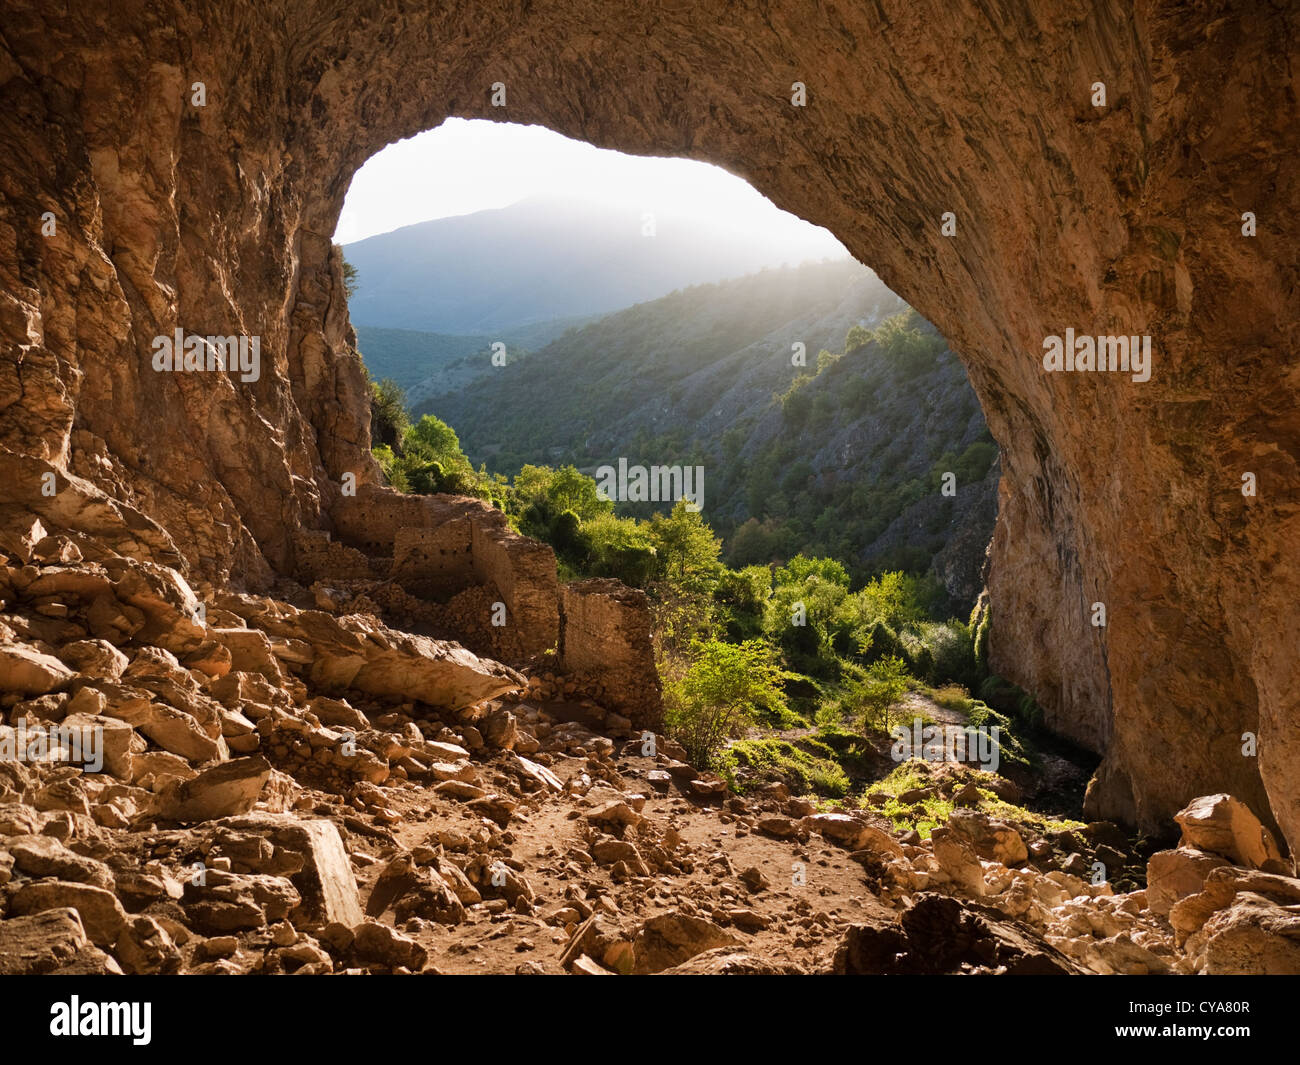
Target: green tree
433	440
391	464
874	697
859	336
803	614
722	690
388	417
561	490
619	547
687	549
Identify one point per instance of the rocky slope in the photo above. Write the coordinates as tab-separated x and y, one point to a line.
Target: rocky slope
210	213
271	789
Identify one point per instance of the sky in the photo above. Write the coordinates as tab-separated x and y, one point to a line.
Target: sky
467	165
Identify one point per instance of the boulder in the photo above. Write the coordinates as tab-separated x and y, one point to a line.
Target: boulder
222	791
95	658
384	946
220	902
958	862
1221	886
850	832
173	730
27	671
311	853
992	839
362	653
1175	874
42	942
1223	825
116	739
1255	936
674	937
40	856
101	914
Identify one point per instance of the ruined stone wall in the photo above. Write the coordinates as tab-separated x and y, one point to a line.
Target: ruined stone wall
317	557
1124	218
441	546
605	644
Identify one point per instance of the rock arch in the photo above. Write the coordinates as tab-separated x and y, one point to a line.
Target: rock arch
1120	219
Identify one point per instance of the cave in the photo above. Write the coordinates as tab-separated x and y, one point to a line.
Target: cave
171	167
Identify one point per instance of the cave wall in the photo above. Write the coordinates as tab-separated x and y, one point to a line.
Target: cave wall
1122	219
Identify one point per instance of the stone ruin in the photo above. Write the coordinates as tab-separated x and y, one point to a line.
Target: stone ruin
452	565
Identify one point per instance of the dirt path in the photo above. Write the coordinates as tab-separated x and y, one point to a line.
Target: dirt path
809	892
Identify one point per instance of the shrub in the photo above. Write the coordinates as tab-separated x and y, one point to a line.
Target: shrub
722	690
952	652
871	699
1011	750
394	474
388	419
916	655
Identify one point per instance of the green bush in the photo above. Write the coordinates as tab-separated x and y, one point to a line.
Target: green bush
952	653
871	699
722	690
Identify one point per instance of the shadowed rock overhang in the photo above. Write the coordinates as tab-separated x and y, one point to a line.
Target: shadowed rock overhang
1122	219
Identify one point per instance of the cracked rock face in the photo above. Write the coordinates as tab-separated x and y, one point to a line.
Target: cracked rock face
1123	219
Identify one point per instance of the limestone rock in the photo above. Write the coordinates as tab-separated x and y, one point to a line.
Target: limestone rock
45	856
361	653
1223	825
958	861
96	658
27	671
101	914
1253	937
382	945
222	791
848	831
41	942
992	839
674	937
173	730
1174	874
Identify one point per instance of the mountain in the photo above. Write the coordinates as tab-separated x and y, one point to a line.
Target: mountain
545	258
420	361
843	456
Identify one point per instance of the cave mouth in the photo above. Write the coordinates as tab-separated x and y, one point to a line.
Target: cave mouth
476	244
636	324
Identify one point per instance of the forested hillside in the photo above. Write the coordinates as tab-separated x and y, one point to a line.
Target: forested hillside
841	456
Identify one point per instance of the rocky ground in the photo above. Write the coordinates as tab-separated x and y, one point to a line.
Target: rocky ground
284	790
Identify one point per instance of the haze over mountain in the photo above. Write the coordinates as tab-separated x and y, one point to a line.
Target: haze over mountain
546	258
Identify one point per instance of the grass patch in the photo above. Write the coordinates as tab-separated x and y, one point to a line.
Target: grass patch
926	814
807	768
953	697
